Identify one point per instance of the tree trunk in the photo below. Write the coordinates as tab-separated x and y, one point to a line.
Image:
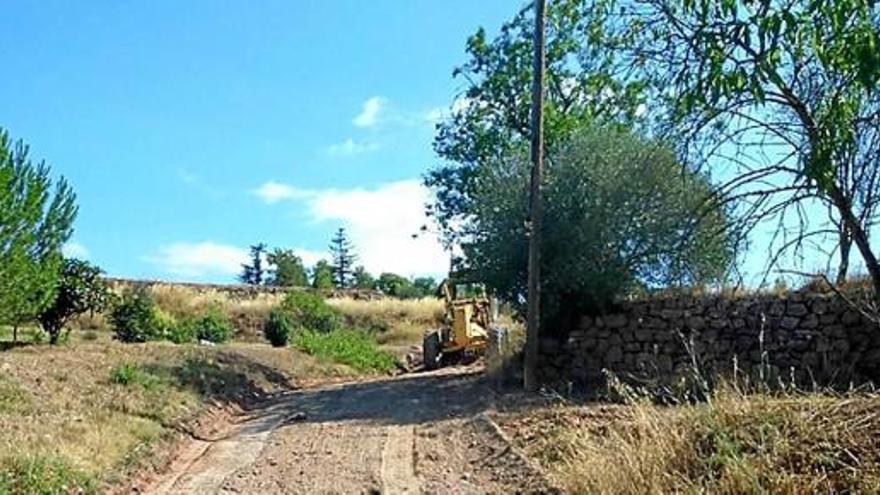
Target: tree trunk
845	247
859	236
14	333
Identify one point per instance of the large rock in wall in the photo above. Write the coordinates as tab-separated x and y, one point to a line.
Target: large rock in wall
805	337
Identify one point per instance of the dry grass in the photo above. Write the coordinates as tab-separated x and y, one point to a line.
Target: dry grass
736	443
396	322
59	406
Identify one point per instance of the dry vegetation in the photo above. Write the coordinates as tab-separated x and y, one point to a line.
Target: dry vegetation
78	415
396	322
735	443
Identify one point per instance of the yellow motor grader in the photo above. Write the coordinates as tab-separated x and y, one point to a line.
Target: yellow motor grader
468	328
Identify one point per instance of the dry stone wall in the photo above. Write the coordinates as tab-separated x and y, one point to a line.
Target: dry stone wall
808	337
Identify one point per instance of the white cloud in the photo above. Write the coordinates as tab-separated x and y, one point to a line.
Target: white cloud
73	249
309	257
210	260
273	192
381	222
196	260
350	147
369	115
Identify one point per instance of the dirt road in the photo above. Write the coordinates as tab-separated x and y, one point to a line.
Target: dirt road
421	433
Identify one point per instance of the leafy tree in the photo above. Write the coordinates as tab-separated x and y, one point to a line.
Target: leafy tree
490	120
784	94
395	285
425	286
363	279
80	290
253	273
343	259
36	218
620	216
322	275
288	269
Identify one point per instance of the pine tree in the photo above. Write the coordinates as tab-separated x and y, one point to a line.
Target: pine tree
36	219
341	249
253	273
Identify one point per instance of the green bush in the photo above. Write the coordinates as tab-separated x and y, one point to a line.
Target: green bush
130	374
355	348
309	311
172	329
213	326
44	475
134	318
278	327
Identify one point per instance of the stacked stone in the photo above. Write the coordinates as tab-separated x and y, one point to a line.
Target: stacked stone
805	336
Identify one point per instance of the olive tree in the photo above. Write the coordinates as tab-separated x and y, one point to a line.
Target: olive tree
621	215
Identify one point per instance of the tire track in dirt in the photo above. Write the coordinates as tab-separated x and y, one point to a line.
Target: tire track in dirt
405	435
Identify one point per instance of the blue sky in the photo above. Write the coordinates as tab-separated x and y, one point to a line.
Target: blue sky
192	129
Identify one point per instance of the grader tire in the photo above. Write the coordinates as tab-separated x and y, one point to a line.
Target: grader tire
431	350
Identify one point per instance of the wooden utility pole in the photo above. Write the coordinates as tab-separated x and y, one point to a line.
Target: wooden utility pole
535	204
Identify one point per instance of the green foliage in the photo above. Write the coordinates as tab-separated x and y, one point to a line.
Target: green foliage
352	347
36	218
172	329
278	328
80	290
134	318
343	259
43	475
254	273
620	214
395	285
132	374
289	270
363	279
213	326
322	275
309	311
491	119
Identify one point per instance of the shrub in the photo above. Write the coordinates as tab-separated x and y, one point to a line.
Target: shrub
355	348
278	327
134	318
213	326
310	311
129	374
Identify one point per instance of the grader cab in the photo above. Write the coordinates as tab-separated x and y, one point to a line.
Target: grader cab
468	328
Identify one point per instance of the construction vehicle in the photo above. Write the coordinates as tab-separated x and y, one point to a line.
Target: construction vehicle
468	328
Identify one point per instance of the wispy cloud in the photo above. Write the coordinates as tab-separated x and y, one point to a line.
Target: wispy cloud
200	259
273	192
350	147
382	221
73	249
370	112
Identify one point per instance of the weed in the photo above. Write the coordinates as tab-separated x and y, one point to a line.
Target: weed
44	475
354	348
